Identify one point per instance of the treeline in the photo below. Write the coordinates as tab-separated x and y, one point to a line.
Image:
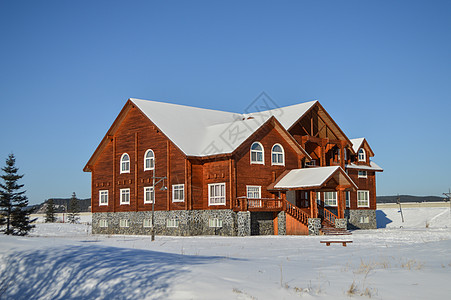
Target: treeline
408	198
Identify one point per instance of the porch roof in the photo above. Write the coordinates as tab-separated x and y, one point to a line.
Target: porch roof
312	178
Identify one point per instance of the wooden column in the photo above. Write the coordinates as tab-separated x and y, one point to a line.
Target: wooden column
230	183
311	204
342	155
168	172
136	171
114	175
341	202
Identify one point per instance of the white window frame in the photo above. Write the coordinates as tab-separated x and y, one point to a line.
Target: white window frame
103	198
330	201
318	198
361	154
172	223
215	223
262	162
364	220
103	223
176	189
124	223
253	191
362	174
217	194
363	202
125	164
348	199
150	159
123	193
149	189
277	155
147	223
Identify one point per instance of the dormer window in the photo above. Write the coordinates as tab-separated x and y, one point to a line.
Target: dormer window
362	155
257	153
125	163
149	160
277	154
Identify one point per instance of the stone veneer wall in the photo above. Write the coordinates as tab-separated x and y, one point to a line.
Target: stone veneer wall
281	223
193	222
355	216
314	226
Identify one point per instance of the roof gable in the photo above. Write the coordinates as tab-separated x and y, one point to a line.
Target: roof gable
359	143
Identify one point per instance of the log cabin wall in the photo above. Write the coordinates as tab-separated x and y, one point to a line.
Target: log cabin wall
368	184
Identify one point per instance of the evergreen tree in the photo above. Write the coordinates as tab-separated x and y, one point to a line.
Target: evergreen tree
13	202
50	212
73	211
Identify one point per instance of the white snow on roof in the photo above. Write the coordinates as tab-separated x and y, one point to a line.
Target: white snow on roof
203	132
304	178
372	167
356	144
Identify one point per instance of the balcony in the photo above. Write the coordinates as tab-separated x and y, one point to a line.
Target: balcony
260	204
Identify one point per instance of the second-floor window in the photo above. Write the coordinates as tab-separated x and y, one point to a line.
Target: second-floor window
257	153
149	195
253	191
178	193
149	160
362	155
277	155
125	196
125	163
103	197
216	194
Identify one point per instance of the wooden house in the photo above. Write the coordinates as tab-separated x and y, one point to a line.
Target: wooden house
287	170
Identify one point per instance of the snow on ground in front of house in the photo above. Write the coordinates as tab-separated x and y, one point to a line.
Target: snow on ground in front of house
63	261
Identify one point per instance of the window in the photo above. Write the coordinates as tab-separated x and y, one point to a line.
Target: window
365	219
125	163
172	223
216	194
103	197
149	195
123	223
362	174
330	198
363	199
103	223
257	154
362	155
253	192
348	199
215	223
147	223
318	198
125	196
178	193
277	154
149	160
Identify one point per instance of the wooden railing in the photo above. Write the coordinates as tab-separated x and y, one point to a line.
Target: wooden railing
296	213
260	204
328	215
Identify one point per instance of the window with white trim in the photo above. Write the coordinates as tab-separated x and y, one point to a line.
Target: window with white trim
257	153
147	223
103	223
362	154
364	219
125	163
103	197
330	198
178	192
348	199
172	223
149	160
253	191
318	198
125	196
362	174
149	195
123	223
277	155
363	198
217	194
215	223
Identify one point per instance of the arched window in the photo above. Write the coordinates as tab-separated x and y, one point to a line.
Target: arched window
362	155
277	154
125	163
257	153
149	160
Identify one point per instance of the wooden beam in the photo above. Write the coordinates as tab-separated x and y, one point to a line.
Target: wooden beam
168	172
114	174
136	171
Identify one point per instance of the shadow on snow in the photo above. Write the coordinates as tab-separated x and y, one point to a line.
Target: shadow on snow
381	219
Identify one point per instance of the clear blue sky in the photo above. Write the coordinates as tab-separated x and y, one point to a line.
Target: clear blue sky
382	69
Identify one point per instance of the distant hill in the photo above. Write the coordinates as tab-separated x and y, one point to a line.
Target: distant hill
408	198
61	204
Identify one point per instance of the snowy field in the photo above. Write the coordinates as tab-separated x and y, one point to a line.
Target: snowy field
64	261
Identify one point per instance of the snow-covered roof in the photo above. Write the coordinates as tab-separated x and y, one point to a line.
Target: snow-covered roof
311	177
356	144
372	167
204	132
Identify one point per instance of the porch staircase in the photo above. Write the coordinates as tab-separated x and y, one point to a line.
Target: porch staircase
328	224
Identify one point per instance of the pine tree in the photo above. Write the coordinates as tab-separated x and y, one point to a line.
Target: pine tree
50	212
73	211
13	202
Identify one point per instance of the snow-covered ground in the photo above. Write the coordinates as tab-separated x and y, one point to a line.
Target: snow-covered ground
64	261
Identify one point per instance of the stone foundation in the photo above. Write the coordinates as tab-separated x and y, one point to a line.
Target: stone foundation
314	225
341	223
361	218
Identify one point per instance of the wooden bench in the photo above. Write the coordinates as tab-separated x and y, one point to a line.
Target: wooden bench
330	242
